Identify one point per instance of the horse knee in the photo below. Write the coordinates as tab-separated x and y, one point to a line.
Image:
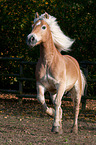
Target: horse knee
41	99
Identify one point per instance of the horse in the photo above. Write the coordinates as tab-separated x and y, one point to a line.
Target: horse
56	73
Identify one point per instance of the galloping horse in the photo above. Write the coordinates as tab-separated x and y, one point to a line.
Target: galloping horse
55	72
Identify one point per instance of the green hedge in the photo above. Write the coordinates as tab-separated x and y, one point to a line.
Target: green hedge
76	19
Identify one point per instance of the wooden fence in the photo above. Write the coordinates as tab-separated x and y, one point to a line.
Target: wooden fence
20	78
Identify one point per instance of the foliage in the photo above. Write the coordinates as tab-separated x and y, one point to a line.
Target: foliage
76	19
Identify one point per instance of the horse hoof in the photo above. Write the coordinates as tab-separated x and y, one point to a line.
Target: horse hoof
56	129
74	130
61	131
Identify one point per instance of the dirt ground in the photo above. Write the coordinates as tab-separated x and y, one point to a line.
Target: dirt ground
27	124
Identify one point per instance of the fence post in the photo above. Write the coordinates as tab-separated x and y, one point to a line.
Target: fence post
21	83
83	100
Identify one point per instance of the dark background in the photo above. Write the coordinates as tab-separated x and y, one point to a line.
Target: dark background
76	19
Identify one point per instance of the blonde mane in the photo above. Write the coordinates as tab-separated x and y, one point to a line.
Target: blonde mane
61	41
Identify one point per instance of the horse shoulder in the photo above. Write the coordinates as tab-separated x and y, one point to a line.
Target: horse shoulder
40	70
57	68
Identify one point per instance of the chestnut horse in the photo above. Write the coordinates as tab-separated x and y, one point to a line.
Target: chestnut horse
55	72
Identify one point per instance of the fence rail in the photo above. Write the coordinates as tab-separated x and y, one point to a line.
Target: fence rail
20	78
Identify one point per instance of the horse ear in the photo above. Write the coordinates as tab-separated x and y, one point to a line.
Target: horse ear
46	15
36	15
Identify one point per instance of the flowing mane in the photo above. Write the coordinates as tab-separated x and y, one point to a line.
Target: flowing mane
61	41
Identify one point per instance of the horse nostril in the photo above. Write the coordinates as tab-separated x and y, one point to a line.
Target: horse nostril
32	38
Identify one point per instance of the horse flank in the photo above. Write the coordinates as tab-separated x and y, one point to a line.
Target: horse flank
61	41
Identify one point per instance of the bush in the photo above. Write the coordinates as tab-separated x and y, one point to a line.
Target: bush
76	19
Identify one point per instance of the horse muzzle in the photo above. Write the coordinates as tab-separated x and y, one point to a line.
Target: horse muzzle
31	40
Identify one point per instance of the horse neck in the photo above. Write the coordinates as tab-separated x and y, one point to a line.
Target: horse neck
47	51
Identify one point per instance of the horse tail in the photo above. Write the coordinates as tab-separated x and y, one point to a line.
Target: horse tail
83	79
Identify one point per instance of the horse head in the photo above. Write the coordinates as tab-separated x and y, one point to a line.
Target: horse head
40	30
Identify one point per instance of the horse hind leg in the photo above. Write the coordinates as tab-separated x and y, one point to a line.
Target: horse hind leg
76	97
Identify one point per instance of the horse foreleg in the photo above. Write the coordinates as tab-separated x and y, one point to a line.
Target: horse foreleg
53	97
57	125
41	99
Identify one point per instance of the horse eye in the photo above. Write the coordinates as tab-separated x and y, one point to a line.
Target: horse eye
43	27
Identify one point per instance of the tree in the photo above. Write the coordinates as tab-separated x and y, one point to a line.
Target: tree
76	19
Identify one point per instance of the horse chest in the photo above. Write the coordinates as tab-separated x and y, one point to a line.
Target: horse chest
49	82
